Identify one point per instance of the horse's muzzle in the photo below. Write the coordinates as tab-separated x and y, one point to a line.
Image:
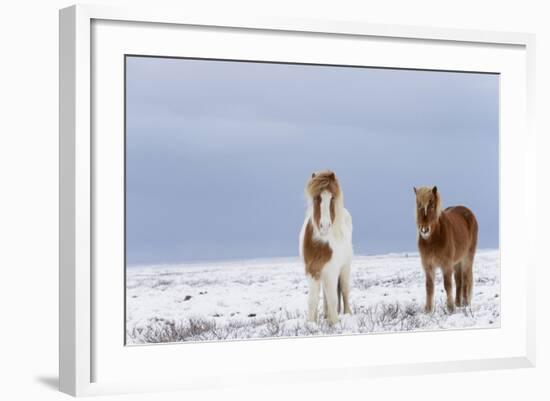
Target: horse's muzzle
324	227
424	231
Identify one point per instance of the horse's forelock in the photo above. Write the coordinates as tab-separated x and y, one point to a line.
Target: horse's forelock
320	182
425	194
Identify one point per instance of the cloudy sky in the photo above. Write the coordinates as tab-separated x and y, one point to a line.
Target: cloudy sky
218	153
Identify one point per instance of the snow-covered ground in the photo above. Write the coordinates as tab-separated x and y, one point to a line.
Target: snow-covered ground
267	298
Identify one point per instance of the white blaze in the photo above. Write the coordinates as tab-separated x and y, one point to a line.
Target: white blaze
325	221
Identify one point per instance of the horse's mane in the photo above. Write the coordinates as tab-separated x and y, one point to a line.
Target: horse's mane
324	180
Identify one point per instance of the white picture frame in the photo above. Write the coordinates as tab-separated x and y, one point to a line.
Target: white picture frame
88	349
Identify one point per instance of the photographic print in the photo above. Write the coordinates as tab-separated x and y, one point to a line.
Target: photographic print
270	200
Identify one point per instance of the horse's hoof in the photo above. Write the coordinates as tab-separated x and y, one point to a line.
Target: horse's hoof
428	309
451	308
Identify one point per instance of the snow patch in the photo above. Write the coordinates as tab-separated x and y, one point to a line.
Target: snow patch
268	298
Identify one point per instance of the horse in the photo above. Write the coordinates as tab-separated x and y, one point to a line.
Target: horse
446	239
325	246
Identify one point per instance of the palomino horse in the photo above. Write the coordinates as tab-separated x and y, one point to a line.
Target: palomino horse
325	246
447	239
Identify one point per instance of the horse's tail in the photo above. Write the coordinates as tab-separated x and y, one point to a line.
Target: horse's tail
339	294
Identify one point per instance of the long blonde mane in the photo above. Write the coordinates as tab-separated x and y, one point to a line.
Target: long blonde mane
326	180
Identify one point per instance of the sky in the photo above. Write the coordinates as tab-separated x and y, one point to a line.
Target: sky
218	154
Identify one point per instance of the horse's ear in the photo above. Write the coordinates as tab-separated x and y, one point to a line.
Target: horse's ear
332	176
312	175
434	190
414	189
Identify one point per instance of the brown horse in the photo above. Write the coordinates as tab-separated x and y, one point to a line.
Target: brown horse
447	239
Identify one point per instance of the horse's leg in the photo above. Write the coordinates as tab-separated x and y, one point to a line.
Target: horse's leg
313	298
325	307
429	272
330	282
339	295
344	285
448	283
458	282
467	281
